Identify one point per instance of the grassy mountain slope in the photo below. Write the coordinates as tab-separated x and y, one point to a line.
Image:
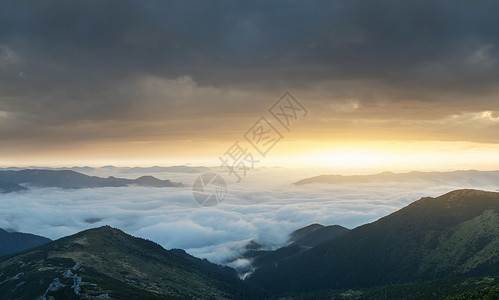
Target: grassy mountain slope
454	235
479	288
117	264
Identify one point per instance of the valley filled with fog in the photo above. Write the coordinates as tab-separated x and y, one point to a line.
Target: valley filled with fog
265	207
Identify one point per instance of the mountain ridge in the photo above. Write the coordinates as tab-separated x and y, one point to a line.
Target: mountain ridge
69	179
153	169
460	176
111	262
12	242
412	244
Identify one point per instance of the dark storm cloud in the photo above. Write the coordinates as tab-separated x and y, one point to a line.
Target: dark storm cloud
67	61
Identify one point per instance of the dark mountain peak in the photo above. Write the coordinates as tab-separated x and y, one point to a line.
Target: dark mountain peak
299	240
12	242
315	234
300	233
102	229
106	237
252	245
147	177
179	252
100	234
466	203
155	182
124	266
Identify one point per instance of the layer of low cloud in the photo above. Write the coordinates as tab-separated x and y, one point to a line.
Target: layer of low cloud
253	210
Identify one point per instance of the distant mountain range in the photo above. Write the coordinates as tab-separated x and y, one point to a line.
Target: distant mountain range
431	249
10	181
315	234
157	169
124	170
12	242
9	187
462	178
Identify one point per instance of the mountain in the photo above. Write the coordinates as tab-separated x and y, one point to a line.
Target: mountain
157	169
11	242
454	235
76	169
150	181
299	241
106	262
147	170
9	187
461	178
68	179
315	234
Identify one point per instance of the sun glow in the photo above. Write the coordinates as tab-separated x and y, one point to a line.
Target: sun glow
392	156
353	158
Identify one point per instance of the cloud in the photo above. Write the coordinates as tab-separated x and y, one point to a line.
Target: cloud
253	210
117	64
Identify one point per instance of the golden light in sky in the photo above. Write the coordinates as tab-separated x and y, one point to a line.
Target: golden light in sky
158	98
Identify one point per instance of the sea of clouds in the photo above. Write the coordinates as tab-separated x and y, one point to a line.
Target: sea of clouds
264	207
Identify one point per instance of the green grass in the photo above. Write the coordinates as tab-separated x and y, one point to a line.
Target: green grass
448	289
120	265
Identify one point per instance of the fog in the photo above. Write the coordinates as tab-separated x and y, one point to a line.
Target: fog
265	206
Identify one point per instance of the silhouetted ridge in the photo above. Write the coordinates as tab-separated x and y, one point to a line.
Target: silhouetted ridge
69	179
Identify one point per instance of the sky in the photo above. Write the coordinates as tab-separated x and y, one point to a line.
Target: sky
396	85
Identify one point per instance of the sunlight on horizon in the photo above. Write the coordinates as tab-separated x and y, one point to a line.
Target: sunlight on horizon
342	157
